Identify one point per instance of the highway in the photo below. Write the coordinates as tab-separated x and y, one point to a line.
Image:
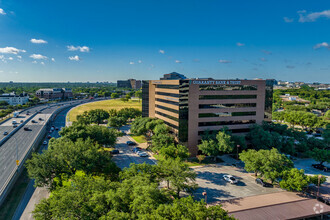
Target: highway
18	145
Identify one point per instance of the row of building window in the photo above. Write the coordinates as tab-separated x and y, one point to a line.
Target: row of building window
202	97
168	94
167	116
228	87
225	114
167	101
233	131
162	86
218	123
171	125
167	109
239	105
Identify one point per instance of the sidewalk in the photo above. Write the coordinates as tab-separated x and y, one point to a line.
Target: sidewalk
39	194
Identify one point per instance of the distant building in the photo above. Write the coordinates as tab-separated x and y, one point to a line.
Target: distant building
172	76
130	83
13	99
55	93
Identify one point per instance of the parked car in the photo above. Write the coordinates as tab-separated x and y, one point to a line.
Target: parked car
264	184
5	133
130	143
33	121
143	154
26	129
40	119
114	151
45	143
321	167
22	121
135	149
231	179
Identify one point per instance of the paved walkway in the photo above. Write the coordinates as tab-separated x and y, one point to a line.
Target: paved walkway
39	194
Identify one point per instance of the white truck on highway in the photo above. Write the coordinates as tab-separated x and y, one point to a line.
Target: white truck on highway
15	114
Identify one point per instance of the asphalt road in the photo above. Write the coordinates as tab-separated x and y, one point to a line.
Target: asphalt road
18	145
126	156
24	210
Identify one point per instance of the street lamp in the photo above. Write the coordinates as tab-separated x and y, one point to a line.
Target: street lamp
237	151
318	185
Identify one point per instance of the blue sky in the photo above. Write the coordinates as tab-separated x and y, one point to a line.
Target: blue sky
43	41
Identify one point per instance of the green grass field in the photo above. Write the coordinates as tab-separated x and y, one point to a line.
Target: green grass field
106	105
140	139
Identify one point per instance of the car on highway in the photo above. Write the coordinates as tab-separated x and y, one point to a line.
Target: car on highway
40	119
56	128
143	154
231	179
26	129
5	133
49	137
263	183
45	143
321	167
115	151
130	143
33	121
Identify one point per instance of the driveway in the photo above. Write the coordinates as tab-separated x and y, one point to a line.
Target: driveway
126	156
210	179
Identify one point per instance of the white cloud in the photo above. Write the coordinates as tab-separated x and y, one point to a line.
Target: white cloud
19	57
178	61
288	20
240	44
53	59
38	41
34	62
139	61
2	12
38	57
224	61
10	58
80	48
324	44
311	17
11	50
1	71
131	63
75	58
42	63
162	51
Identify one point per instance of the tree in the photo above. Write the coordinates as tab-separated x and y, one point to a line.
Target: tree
178	175
96	116
138	94
63	158
294	180
116	122
252	161
315	179
128	96
225	144
99	134
174	151
161	137
114	95
200	158
320	155
209	147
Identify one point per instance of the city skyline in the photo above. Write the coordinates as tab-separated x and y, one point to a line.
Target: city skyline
105	41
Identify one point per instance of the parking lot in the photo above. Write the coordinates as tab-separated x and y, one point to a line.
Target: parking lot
210	179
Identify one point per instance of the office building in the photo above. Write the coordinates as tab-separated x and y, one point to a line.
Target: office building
13	99
190	107
54	94
130	84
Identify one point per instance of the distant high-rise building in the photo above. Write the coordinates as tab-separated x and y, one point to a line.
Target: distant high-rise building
130	83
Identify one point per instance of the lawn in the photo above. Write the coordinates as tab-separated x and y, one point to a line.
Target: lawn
106	105
140	139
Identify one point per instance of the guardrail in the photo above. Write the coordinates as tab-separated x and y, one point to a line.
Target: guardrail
5	189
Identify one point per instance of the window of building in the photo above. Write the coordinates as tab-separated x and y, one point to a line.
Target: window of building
218	123
233	131
167	101
239	105
167	116
202	97
225	114
168	94
167	109
161	86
